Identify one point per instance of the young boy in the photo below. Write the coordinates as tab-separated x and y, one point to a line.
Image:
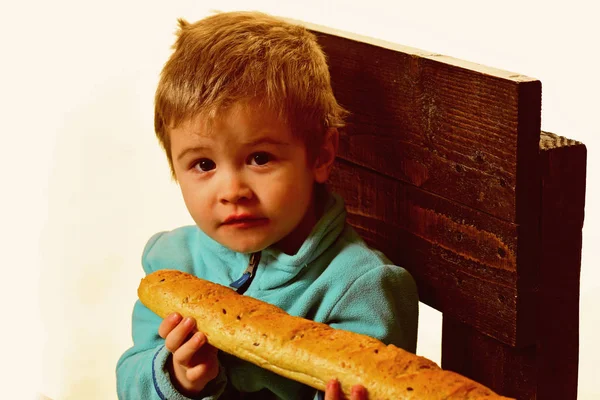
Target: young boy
248	120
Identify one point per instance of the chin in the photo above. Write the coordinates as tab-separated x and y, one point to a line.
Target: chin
246	247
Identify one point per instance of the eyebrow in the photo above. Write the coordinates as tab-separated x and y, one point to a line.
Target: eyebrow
253	143
190	150
265	140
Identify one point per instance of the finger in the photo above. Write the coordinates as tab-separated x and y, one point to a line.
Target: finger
332	390
358	392
205	367
180	334
206	372
168	324
189	350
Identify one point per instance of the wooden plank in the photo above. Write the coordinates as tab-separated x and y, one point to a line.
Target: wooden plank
506	370
449	127
563	170
465	132
463	260
528	198
549	368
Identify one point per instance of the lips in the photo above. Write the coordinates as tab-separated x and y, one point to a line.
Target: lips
244	220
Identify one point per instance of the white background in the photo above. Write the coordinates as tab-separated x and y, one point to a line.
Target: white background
84	182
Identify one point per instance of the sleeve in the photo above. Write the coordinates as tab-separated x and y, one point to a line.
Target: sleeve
141	371
382	303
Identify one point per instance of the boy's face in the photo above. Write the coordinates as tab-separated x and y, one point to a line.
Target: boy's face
247	183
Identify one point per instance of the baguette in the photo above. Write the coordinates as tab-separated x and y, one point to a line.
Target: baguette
296	348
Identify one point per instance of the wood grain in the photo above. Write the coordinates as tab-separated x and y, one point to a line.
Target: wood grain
444	169
509	370
464	133
563	168
468	135
464	261
428	122
548	368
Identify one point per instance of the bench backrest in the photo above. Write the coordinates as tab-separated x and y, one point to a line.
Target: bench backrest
443	168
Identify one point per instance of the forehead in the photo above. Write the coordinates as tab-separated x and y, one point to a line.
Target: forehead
242	120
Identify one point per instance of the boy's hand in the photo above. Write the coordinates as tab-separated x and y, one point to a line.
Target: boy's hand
193	362
334	392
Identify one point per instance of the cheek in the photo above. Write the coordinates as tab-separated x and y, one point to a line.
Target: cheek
288	194
193	201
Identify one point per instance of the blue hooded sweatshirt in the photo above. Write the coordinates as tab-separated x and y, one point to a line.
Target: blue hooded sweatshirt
334	278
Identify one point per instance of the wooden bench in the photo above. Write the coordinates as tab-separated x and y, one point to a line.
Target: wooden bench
443	168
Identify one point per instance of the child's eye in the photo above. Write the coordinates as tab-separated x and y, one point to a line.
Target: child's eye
205	165
260	158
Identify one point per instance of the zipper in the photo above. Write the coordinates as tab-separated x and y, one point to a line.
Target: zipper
243	282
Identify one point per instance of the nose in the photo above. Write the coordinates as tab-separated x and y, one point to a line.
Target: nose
234	189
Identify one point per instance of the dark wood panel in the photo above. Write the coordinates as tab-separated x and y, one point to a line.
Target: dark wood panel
455	185
528	200
506	370
548	369
464	260
563	171
433	122
445	284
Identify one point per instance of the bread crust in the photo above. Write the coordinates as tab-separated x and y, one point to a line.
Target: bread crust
306	351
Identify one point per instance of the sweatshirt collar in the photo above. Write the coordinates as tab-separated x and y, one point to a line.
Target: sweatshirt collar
277	267
323	234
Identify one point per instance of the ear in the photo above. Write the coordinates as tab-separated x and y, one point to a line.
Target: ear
326	155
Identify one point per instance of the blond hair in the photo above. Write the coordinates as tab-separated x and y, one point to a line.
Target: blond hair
238	57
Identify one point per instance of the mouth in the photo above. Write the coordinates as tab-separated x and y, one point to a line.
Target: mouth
244	221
